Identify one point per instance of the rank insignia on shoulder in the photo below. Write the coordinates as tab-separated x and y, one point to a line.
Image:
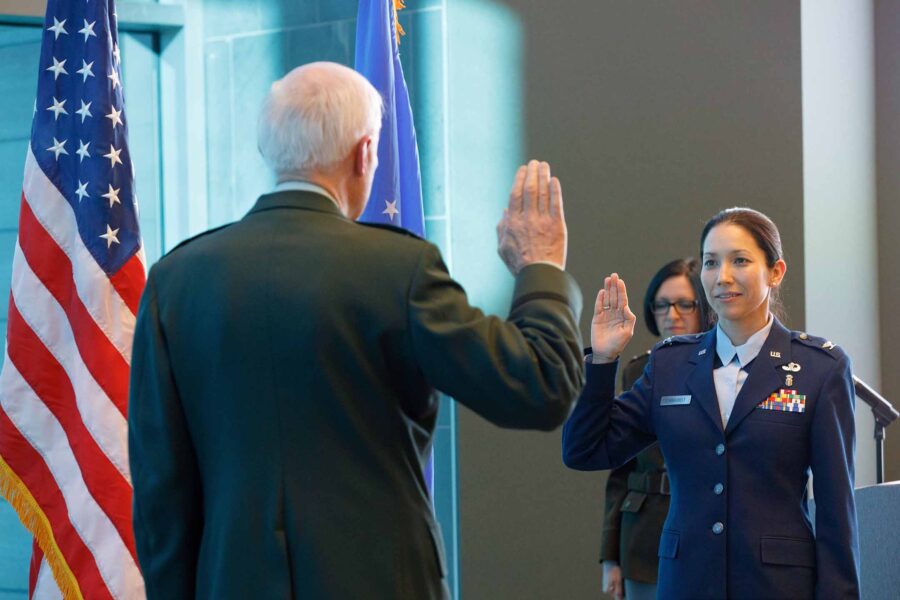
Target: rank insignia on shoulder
828	345
784	400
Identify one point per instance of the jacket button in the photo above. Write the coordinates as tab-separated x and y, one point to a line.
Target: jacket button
720	449
718	489
718	528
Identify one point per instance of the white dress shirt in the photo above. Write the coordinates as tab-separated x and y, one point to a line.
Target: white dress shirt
730	377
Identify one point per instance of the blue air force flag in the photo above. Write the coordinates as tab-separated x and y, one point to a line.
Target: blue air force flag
396	197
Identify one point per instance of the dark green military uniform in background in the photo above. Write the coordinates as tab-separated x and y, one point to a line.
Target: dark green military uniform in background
637	502
283	402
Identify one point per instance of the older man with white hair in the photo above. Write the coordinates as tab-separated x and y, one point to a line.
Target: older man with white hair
285	368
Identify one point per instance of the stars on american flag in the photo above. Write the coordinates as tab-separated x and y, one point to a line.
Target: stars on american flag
81	192
85	70
114	78
57	68
88	30
58	148
84	111
113	156
82	151
101	162
58	28
57	108
115	116
110	236
112	195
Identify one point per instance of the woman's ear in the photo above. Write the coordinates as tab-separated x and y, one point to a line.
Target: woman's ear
777	274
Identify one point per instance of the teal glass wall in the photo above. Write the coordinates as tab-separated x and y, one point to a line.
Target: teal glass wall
19	49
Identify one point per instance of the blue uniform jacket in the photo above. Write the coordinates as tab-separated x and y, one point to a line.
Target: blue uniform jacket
738	524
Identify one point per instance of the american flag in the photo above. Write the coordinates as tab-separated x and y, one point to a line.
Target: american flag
78	272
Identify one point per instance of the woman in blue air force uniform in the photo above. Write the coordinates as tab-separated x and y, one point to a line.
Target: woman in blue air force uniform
743	413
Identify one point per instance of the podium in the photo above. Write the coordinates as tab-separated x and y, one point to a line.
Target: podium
878	514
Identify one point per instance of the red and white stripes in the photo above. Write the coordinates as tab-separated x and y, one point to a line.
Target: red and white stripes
64	396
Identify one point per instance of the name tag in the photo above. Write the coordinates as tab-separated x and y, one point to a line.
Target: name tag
675	400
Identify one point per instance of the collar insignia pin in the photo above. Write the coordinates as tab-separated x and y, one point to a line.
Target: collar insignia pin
702	352
792	367
775	354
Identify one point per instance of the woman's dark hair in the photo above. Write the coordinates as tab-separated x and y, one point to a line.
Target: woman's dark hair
681	267
764	231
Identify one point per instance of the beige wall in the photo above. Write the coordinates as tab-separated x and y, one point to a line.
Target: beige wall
839	193
887	105
655	115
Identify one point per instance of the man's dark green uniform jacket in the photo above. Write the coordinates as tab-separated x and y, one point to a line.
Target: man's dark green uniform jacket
283	402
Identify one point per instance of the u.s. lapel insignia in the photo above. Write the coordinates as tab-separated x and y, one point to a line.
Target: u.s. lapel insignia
775	354
702	352
785	400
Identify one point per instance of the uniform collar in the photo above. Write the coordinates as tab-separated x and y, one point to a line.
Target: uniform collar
297	199
765	374
304	186
747	351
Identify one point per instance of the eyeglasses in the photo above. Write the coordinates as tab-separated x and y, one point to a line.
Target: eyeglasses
682	307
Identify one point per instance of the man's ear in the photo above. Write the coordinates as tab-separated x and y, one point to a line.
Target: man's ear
362	155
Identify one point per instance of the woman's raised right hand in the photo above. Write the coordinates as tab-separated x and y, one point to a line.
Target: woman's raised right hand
613	324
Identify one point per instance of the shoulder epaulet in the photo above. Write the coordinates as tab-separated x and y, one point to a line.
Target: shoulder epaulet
197	237
819	343
675	340
393	228
639	358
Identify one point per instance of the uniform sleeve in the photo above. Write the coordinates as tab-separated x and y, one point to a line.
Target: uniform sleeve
832	453
604	431
167	493
524	372
616	490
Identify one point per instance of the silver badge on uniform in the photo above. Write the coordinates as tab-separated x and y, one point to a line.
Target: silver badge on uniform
675	400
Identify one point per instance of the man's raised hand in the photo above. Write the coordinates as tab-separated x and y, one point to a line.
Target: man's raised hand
533	227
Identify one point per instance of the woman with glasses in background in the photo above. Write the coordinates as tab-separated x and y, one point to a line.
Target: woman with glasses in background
637	493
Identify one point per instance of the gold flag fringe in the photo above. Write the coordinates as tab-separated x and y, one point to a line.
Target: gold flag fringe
35	521
398	30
